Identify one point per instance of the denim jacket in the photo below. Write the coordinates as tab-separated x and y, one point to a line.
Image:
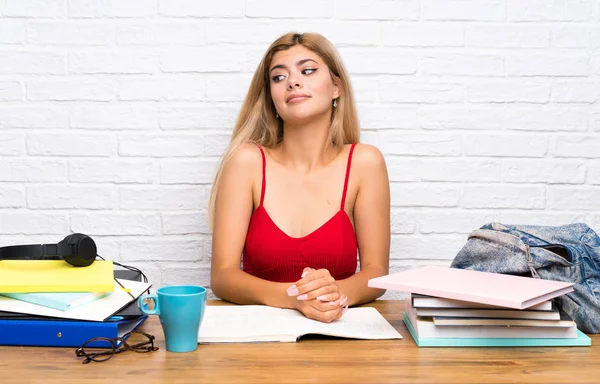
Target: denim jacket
569	253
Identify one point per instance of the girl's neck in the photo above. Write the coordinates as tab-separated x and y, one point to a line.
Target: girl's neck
305	147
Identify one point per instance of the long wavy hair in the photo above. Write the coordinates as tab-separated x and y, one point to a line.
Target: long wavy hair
258	122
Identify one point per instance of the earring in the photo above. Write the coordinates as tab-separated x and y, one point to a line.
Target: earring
277	115
334	103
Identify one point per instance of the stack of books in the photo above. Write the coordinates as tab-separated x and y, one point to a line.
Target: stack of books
50	303
463	308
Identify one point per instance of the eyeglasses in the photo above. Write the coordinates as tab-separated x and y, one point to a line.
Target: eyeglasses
100	349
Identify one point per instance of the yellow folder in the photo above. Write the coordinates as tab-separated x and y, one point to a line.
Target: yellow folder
55	276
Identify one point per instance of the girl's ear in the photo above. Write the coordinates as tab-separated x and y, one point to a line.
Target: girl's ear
336	89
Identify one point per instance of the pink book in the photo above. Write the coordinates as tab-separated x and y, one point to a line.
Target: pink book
474	286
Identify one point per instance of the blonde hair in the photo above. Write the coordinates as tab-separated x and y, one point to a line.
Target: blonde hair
258	122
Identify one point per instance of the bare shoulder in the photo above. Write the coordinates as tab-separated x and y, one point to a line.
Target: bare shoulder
245	160
367	160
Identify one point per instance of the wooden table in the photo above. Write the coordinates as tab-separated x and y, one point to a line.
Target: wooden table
310	361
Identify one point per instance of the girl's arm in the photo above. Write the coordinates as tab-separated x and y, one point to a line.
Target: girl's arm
240	178
371	224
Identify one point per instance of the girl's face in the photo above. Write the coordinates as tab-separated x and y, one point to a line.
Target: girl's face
301	85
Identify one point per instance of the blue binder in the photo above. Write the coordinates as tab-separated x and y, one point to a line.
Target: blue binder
63	333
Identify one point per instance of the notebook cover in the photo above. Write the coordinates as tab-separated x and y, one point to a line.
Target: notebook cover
480	287
582	340
63	333
24	276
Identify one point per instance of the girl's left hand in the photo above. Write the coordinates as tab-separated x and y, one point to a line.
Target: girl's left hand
316	284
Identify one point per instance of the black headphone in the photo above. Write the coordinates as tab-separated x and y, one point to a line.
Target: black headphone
77	249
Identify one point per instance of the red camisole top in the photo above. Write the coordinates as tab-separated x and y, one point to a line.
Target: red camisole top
271	254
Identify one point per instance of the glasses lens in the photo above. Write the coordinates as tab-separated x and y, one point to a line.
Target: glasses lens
139	341
98	349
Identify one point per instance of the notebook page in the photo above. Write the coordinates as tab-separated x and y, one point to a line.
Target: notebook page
246	323
357	323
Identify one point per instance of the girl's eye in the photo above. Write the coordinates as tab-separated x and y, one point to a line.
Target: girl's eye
308	71
277	78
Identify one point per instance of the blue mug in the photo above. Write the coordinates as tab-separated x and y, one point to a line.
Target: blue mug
180	309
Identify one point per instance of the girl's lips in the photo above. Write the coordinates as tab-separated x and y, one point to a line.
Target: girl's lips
297	99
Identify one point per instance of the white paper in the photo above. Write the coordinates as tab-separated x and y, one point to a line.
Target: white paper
256	323
98	310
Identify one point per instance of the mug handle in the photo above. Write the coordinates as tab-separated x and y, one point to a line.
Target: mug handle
144	308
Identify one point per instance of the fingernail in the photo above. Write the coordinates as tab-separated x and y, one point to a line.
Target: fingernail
304	274
332	303
321	298
344	301
292	291
302	297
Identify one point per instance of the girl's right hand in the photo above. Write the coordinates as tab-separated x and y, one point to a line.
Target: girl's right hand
324	311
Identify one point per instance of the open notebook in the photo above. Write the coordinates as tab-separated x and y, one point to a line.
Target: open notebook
257	323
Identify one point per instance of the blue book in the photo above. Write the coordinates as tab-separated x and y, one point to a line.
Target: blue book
63	333
582	340
58	300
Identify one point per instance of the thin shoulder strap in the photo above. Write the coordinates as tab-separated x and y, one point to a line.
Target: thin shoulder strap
264	175
347	177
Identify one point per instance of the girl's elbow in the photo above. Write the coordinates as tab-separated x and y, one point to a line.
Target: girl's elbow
216	284
379	293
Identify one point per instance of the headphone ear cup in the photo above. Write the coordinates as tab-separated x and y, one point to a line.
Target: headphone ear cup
84	250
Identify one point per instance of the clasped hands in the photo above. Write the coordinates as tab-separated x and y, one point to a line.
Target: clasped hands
318	296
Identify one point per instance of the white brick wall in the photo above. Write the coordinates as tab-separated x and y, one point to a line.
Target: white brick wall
113	114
